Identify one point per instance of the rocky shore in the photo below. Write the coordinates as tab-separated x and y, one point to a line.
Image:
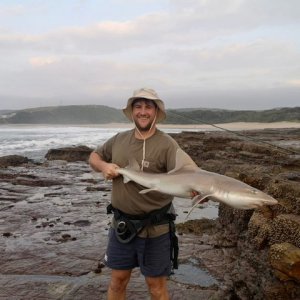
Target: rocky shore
54	225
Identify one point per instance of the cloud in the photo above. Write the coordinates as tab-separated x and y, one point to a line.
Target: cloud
193	48
294	82
254	12
191	22
11	10
43	61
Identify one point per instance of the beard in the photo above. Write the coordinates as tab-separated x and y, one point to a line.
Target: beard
143	129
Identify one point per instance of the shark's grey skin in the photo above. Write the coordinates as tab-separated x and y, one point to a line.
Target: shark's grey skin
187	178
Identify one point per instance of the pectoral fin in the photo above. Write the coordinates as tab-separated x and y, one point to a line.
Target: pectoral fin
126	179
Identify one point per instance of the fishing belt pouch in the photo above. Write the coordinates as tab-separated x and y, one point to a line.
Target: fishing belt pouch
126	230
127	227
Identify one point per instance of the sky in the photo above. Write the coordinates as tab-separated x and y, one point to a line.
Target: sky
230	54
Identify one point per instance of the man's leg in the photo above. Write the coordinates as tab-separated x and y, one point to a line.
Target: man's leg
118	283
155	265
158	287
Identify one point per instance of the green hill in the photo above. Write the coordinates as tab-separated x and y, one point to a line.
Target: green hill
227	116
73	114
99	114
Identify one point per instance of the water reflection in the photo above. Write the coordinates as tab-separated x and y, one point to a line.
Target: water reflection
191	273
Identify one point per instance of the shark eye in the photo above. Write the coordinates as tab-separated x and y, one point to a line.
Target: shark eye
254	191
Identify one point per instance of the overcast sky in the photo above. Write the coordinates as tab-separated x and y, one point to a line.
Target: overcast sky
234	54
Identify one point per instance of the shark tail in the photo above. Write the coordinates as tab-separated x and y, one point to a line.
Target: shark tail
196	201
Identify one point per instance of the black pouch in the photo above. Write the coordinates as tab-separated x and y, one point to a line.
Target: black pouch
126	229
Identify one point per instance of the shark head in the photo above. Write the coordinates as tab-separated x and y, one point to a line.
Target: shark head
244	196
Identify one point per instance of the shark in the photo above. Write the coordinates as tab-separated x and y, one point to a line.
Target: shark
187	179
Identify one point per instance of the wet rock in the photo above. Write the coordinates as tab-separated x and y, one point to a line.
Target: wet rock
259	230
21	178
97	188
99	268
288	194
285	259
36	182
196	226
285	228
251	233
237	218
12	160
82	223
294	176
282	291
7	234
55	226
79	153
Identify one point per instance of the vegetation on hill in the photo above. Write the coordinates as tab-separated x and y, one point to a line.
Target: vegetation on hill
99	114
73	114
227	116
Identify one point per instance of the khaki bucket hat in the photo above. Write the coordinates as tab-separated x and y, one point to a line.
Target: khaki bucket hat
150	94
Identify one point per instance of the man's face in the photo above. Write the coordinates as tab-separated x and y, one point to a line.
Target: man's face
143	113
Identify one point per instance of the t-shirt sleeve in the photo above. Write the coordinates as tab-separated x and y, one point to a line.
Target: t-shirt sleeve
105	150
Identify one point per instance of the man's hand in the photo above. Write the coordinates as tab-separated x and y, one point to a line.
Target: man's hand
110	171
194	194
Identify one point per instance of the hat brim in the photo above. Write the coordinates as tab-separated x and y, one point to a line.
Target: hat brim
161	113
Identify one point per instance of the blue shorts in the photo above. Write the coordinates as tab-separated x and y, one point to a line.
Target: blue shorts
152	255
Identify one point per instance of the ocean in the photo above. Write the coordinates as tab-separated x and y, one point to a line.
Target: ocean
33	141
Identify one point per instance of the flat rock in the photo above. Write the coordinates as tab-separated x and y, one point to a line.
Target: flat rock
71	154
12	160
54	226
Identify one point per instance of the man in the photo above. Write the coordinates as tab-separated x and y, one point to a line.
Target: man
132	242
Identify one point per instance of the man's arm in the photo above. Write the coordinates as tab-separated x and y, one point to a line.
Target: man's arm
109	170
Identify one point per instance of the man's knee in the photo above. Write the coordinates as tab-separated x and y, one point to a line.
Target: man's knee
119	280
157	287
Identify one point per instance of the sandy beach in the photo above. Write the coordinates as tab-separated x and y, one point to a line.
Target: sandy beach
207	127
229	126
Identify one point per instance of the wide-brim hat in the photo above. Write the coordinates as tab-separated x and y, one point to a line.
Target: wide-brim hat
150	94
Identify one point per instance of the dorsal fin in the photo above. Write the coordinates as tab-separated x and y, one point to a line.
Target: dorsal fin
133	165
183	162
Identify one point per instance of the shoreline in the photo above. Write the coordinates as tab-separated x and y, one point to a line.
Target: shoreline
237	125
230	126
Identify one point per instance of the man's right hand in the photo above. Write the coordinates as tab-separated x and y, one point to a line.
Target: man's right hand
110	171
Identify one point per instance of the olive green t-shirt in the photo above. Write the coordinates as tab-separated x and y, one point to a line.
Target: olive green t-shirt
160	157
